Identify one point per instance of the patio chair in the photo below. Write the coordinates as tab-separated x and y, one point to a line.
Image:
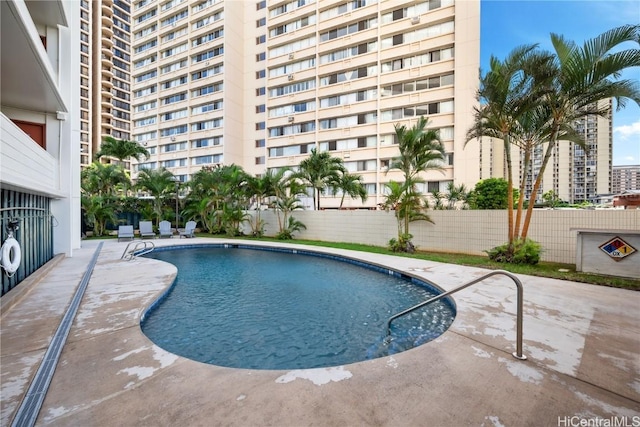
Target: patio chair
146	230
190	228
165	229
125	232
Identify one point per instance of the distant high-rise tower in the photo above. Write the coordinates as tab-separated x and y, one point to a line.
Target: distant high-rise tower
625	178
110	82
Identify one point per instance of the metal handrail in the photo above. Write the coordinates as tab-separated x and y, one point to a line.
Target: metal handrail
518	353
132	253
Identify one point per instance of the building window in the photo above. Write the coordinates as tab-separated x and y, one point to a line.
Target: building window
260	160
260	91
260	108
260	143
261	22
261	4
206	142
261	39
261	56
260	126
261	74
203	160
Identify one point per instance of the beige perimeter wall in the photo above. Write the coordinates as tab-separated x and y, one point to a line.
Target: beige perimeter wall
468	231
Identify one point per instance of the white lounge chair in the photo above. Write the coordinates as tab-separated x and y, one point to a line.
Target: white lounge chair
190	228
146	230
165	229
125	232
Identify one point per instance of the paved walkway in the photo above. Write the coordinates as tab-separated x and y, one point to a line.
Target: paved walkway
582	343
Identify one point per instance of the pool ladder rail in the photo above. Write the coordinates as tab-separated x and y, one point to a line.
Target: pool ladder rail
518	353
140	248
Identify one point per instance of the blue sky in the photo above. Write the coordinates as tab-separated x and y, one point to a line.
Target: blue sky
506	24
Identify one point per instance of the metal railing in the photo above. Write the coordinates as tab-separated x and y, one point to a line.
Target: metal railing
518	353
140	248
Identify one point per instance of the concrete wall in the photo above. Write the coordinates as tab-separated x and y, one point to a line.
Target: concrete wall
468	231
592	259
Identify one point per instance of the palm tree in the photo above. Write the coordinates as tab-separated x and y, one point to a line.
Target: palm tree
533	98
204	201
99	210
455	195
103	180
349	184
319	170
420	151
234	192
262	187
408	206
578	78
100	187
505	93
121	149
160	184
286	197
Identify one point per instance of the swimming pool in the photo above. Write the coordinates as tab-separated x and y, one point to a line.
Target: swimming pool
256	307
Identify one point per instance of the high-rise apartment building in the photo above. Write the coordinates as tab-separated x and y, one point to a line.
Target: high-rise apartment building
105	74
260	84
625	178
86	147
590	167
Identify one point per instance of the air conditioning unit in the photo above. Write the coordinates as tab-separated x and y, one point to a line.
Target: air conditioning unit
415	20
145	143
290	77
291	55
173	138
291	119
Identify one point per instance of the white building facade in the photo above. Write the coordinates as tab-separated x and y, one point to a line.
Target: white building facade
39	137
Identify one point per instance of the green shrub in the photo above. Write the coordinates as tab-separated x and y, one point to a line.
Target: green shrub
402	244
522	252
293	226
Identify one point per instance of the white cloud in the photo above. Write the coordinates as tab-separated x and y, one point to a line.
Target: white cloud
626	131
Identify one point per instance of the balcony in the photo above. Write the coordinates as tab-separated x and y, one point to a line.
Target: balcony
107	72
106	10
107	20
107	30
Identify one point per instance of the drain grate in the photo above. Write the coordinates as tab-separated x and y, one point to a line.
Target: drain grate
32	402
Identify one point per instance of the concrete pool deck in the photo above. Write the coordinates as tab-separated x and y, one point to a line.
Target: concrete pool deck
582	343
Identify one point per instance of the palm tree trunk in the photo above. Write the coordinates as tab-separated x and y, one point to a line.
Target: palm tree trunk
536	185
523	180
507	149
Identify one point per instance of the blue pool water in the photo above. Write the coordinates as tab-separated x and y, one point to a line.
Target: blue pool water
259	309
